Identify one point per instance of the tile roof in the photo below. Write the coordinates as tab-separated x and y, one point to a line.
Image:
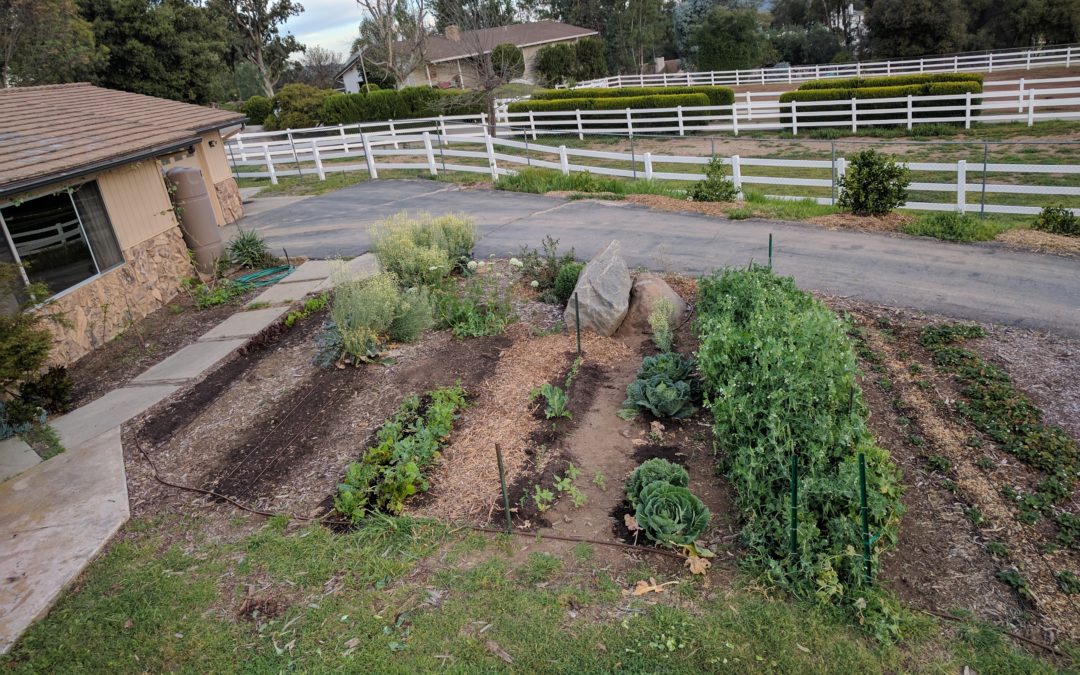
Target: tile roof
441	48
58	131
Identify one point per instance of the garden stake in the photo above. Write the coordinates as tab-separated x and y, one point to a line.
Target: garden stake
770	251
794	504
288	261
577	322
502	480
865	524
833	177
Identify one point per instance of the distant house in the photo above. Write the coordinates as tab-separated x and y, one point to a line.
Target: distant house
84	206
445	56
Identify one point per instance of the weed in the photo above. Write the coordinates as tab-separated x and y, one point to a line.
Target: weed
954	227
984	463
481	309
997	549
215	292
310	306
600	481
540	567
44	440
914	368
975	515
540	181
554	275
543	498
740	213
948	485
555	399
660	323
939	463
248	249
1013	578
1068	582
885	383
1068	529
250	307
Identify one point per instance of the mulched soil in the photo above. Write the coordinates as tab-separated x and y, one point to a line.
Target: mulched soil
144	344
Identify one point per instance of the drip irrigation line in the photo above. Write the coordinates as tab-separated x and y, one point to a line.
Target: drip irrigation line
539	534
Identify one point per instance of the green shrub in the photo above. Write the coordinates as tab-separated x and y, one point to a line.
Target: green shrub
24	343
591	62
716	187
556	63
366	313
425	249
507	61
664	386
248	249
651	471
398	104
298	105
19	417
670	515
780	379
408	443
566	280
415	314
953	227
660	324
716	95
481	309
1058	220
646	101
257	108
890	81
51	390
873	184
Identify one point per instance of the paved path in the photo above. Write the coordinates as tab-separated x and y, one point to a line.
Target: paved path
984	282
57	515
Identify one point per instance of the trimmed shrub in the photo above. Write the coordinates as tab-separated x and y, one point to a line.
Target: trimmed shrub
780	379
566	280
556	63
612	103
257	108
889	81
591	62
716	95
298	106
1058	220
873	184
386	104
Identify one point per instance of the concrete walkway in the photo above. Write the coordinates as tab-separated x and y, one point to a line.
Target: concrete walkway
984	282
55	516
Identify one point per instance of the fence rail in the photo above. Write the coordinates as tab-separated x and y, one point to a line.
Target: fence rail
436	153
989	62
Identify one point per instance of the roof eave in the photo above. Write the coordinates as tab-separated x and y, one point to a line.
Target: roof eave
35	182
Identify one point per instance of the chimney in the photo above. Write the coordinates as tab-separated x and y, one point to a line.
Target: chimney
453	34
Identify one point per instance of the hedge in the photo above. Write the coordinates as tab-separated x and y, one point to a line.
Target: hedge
717	95
889	81
781	380
663	101
396	104
959	89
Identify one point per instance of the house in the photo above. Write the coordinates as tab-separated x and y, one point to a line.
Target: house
84	206
446	56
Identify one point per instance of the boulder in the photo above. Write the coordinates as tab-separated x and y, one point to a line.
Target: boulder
603	291
649	288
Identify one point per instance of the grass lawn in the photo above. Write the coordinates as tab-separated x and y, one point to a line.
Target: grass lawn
401	595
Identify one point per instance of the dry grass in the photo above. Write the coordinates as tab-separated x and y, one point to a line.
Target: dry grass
890	222
1041	242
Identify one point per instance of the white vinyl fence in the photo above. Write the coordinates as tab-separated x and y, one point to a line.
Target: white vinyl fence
988	62
471	150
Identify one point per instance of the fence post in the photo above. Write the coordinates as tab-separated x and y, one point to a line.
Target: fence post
629	123
270	165
762	71
318	160
956	64
580	135
736	78
240	144
1068	56
990	63
854	116
344	141
858	68
1020	97
1028	60
564	164
749	109
1031	107
736	174
532	125
794	119
430	155
920	65
712	78
648	165
373	173
678	111
961	185
393	134
841	169
817	72
909	106
442	127
491	155
789	74
967	110
734	120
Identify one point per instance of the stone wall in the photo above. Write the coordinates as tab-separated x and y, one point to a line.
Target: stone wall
229	197
104	307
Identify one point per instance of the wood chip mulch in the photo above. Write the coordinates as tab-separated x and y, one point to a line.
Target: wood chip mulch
1041	242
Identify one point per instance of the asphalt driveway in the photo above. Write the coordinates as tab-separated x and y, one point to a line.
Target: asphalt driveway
984	282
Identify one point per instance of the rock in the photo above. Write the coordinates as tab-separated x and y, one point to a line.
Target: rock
648	289
603	293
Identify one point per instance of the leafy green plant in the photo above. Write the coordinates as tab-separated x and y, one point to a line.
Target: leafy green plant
480	309
392	470
543	498
873	184
1013	578
716	186
660	324
665	386
651	471
218	291
997	549
310	306
555	400
670	514
1068	582
1057	220
600	481
938	463
779	375
1068	529
248	249
566	280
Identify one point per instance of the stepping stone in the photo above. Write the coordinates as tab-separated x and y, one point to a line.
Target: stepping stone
111	410
15	457
244	324
283	293
310	271
360	267
190	361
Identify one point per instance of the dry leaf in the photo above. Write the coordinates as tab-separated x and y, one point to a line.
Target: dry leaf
128	623
801	648
697	564
650	586
352	643
495	649
657	429
631	523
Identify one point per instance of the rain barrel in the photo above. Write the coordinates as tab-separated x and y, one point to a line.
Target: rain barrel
197	221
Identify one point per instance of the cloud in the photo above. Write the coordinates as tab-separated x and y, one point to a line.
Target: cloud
331	24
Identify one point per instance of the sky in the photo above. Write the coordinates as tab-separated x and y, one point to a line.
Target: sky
331	24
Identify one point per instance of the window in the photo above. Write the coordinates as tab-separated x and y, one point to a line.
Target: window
60	239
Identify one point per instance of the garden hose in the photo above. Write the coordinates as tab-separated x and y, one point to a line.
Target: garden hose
265	277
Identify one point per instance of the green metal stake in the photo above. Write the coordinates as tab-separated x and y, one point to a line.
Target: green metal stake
577	322
865	517
794	503
770	250
506	495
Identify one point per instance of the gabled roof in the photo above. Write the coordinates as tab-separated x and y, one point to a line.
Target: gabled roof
56	132
438	48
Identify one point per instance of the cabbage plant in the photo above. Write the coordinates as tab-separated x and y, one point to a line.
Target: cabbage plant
670	515
650	471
